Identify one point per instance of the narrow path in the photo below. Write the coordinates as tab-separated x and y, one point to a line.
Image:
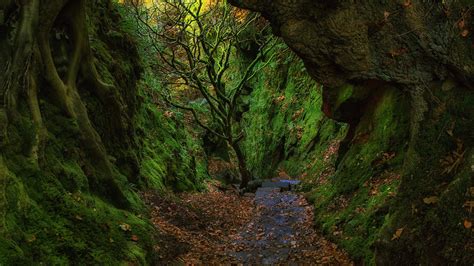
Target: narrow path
281	231
272	226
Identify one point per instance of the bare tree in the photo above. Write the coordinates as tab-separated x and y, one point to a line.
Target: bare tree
194	42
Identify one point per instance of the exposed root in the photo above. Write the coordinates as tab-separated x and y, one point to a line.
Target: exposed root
25	43
33	46
3	196
40	129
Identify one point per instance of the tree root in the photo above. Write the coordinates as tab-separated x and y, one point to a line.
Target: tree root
40	130
33	48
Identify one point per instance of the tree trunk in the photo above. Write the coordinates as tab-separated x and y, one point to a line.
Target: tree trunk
244	172
31	61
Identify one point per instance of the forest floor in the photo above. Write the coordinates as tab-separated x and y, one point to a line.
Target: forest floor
221	227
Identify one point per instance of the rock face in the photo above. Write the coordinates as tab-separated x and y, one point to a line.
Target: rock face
77	132
400	74
402	42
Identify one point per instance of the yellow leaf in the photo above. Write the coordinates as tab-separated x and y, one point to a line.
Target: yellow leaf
450	132
397	234
469	204
430	200
31	239
125	227
467	224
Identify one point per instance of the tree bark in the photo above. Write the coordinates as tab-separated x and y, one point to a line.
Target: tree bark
32	61
245	174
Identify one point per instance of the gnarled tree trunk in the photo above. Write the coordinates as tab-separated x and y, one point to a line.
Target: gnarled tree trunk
245	174
32	61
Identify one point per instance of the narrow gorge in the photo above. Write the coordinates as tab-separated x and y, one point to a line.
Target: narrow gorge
242	131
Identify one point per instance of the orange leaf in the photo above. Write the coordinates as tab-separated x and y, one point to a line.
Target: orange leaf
430	200
169	114
397	234
134	238
407	3
464	33
467	224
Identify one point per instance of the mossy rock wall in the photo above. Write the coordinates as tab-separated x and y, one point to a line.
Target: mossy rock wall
353	204
51	210
389	181
349	173
400	74
286	131
436	191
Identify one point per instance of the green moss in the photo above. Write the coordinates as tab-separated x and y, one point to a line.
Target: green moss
51	211
170	156
46	223
381	130
425	176
284	126
345	93
286	129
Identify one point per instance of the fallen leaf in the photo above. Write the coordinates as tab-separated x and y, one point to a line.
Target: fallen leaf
430	200
125	227
450	132
134	238
464	33
407	3
467	224
78	218
279	99
236	224
469	204
397	234
169	114
31	239
397	52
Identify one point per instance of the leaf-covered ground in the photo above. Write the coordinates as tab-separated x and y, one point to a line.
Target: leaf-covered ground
222	227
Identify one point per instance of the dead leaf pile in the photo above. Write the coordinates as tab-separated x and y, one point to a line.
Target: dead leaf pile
213	228
282	233
195	228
